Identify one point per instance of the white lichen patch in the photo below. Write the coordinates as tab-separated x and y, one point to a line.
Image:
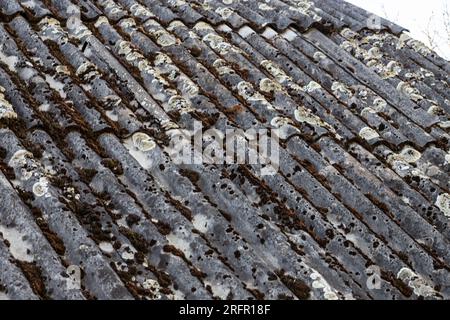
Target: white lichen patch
320	283
265	7
124	47
443	203
180	104
201	223
101	20
20	247
302	114
106	247
162	59
140	156
45	107
349	33
444	124
187	87
143	142
219	44
112	115
153	286
127	253
340	90
180	243
201	26
400	166
10	61
374	53
368	134
87	71
51	28
447	158
318	56
276	72
222	67
417	283
312	86
78	29
284	125
224	12
367	111
164	39
6	109
128	23
63	70
19	160
410	155
139	10
418	46
394	67
347	46
56	85
246	90
267	85
408	90
40	188
436	110
379	104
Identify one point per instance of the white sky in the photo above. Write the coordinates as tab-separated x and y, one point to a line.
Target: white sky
416	16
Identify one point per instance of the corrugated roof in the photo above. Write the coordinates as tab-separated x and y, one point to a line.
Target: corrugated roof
91	92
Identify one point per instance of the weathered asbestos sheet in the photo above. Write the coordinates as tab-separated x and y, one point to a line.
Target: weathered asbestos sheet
92	206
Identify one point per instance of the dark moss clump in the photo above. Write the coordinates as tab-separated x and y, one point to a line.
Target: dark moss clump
34	277
136	239
87	175
113	165
297	286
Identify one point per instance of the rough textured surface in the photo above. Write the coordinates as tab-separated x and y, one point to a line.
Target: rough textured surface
359	209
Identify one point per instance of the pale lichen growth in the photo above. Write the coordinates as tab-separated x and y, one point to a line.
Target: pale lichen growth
19	246
379	104
312	86
408	90
318	56
443	203
40	188
319	282
139	10
276	72
178	103
217	43
410	155
19	161
224	12
222	67
267	85
301	114
368	134
246	91
6	109
164	39
284	125
143	142
417	283
340	90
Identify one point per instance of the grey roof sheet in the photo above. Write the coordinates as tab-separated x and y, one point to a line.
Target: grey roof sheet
363	184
